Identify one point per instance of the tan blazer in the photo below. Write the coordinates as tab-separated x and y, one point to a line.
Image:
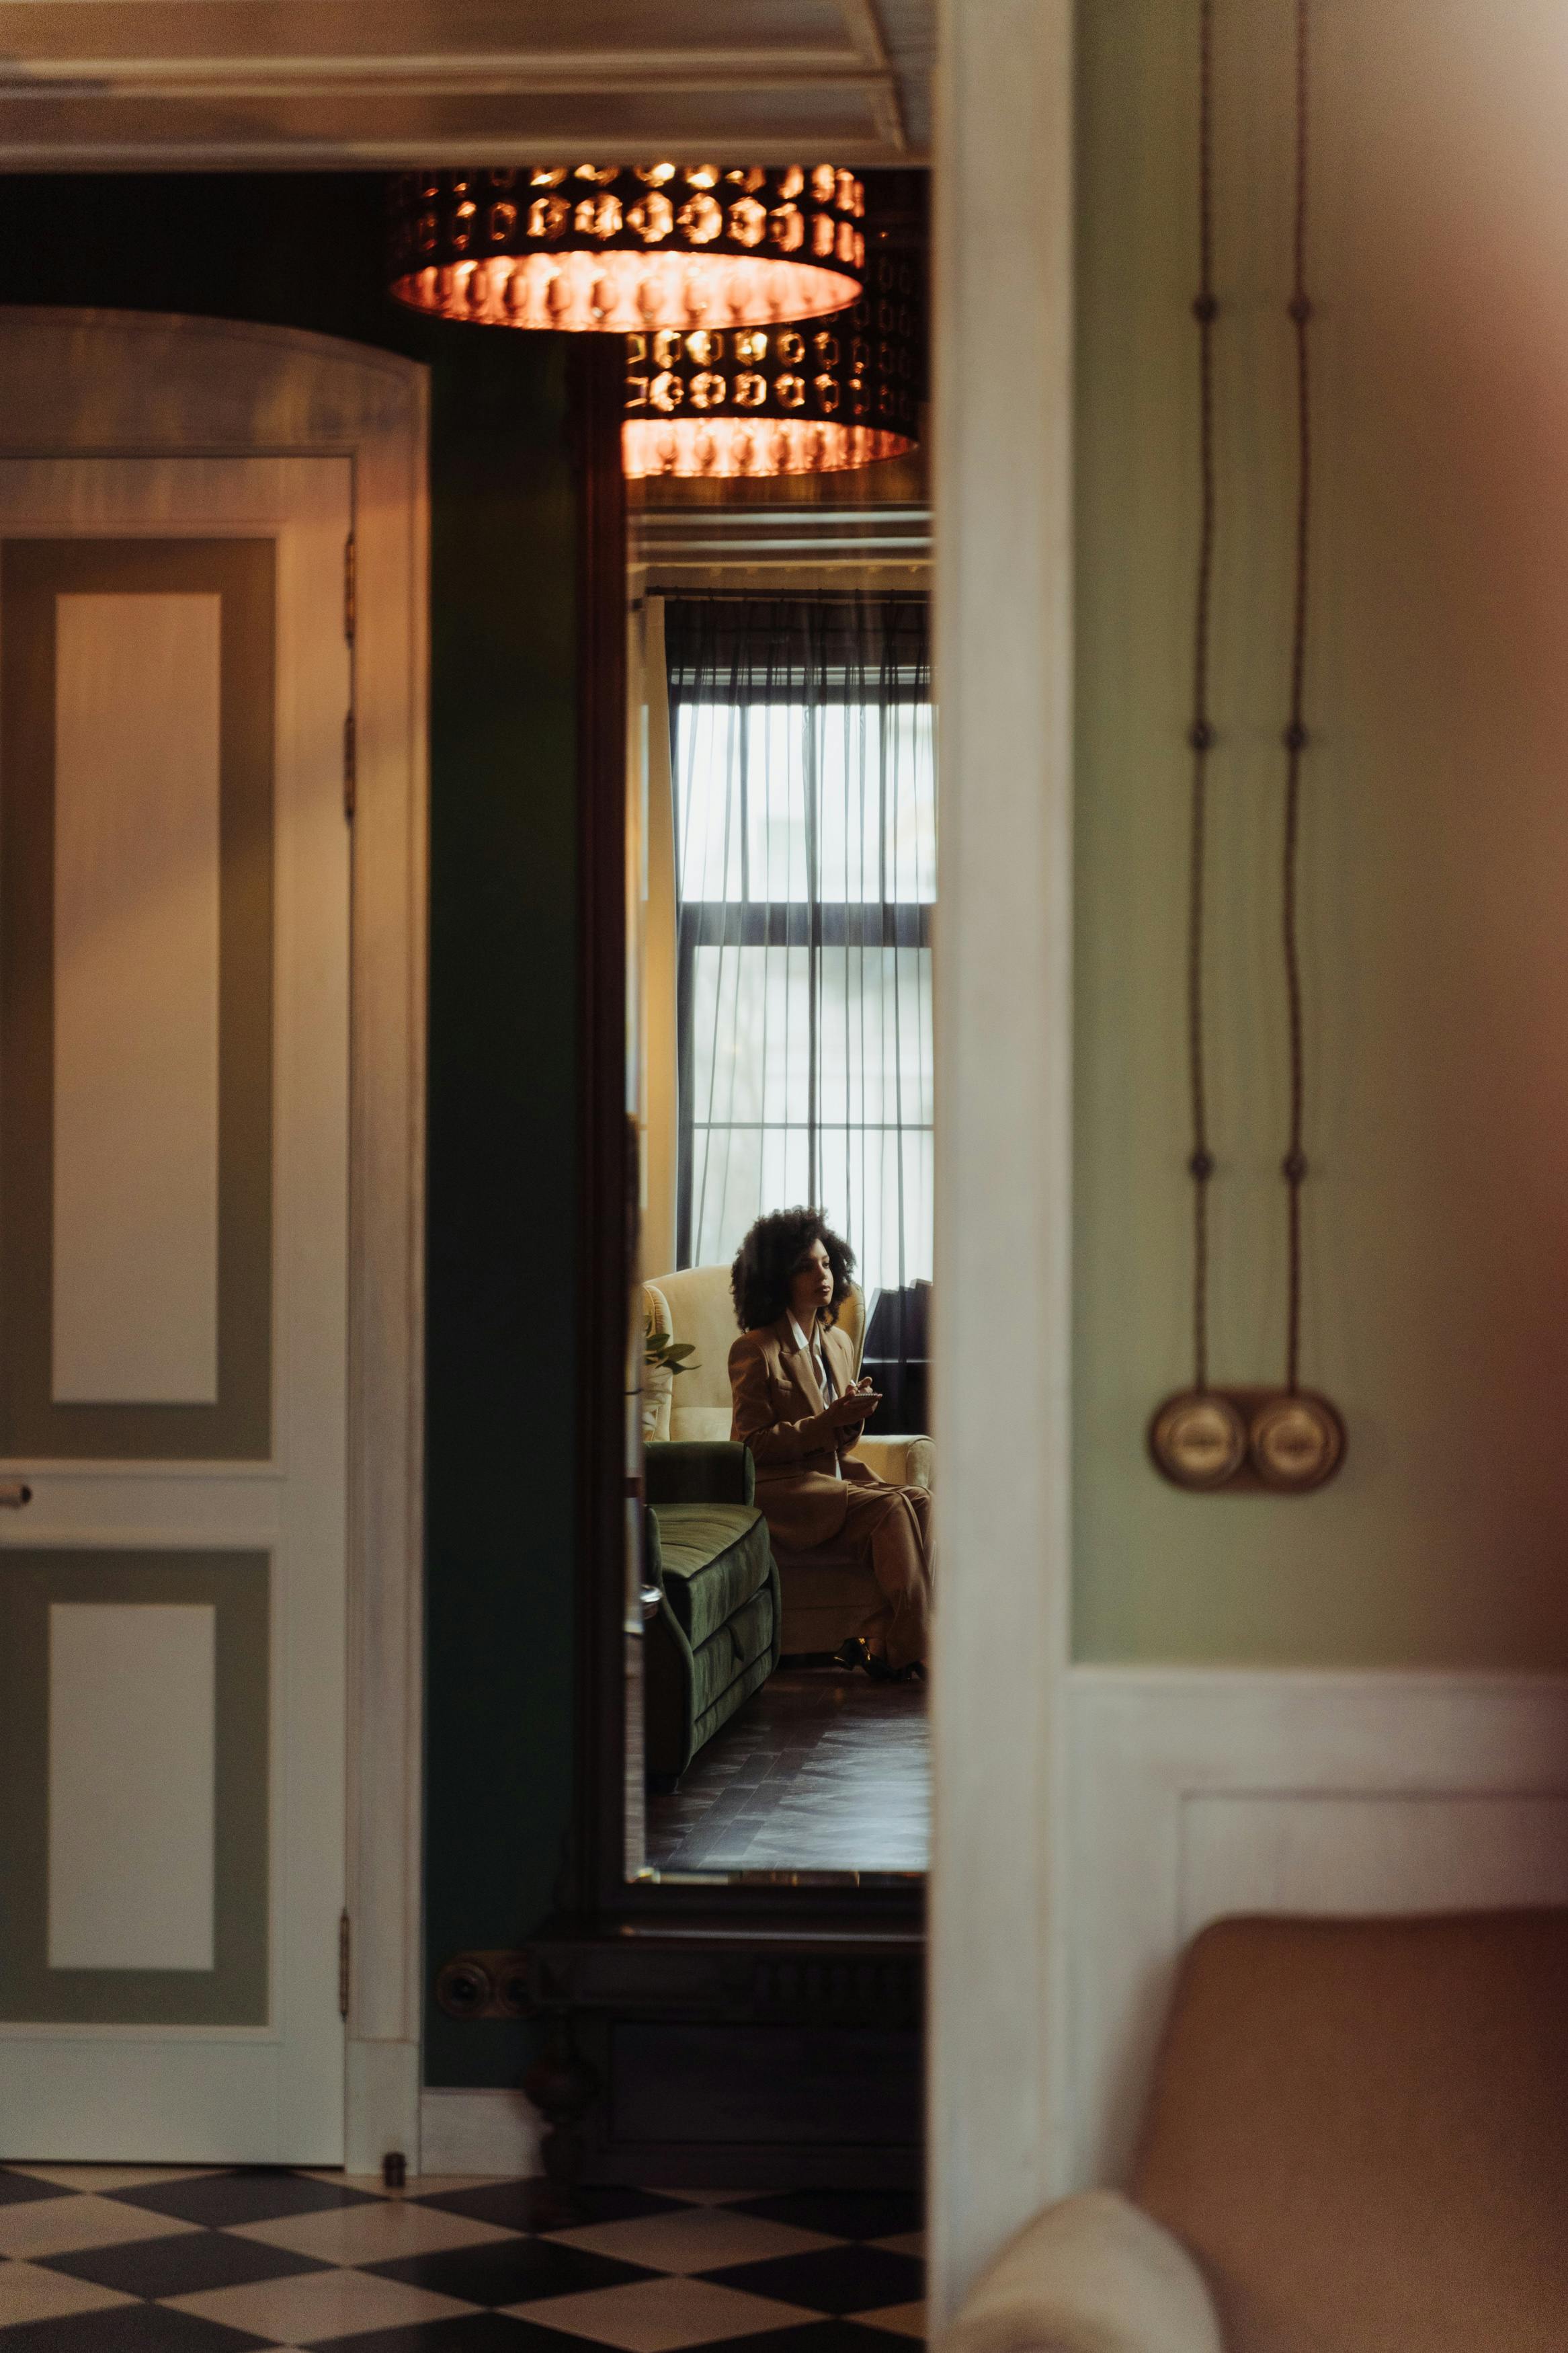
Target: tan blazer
778	1410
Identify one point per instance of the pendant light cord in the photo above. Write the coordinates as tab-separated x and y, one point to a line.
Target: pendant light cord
1200	734
1294	1166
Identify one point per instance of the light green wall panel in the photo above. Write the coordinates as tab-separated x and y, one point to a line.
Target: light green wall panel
1435	842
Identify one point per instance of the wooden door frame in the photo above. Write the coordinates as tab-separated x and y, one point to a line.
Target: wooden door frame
164	386
999	2059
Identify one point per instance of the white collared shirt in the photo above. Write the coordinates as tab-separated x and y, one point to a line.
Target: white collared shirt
818	1356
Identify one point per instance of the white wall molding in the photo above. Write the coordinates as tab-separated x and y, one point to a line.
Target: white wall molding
1197	1793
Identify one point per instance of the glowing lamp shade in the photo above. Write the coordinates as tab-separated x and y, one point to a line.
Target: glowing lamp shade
599	250
797	399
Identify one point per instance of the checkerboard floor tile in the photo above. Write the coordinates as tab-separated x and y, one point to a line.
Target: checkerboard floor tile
903	2319
184	2259
704	2239
22	2189
837	2278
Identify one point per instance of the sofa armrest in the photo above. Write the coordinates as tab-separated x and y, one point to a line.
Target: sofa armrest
652	1554
901	1461
698	1470
1093	2275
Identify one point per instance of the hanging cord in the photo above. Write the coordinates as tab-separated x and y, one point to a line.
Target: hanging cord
1294	1166
1200	734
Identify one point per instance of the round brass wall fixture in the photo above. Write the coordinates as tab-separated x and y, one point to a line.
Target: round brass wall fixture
1296	1443
1248	1441
466	1988
485	1985
1198	1440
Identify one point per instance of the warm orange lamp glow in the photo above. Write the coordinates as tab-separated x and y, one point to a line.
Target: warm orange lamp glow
591	248
724	447
799	399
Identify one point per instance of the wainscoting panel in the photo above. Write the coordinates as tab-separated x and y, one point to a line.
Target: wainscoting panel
1435	1853
1198	1794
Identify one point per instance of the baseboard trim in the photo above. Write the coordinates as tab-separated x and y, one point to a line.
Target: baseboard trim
478	2132
381	2108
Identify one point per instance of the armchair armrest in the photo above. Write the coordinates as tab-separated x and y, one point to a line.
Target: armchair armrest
1093	2275
698	1471
901	1461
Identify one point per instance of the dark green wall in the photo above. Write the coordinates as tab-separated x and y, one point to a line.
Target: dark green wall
305	252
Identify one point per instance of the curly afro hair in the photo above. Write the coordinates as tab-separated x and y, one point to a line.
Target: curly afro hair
771	1254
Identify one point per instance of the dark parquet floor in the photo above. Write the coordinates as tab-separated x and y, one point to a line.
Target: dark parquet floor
823	1770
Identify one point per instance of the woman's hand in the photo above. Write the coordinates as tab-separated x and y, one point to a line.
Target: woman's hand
856	1406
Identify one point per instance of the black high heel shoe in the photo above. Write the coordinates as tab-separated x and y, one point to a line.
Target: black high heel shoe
858	1652
855	1652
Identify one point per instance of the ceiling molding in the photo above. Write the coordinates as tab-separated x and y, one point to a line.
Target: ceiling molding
865	32
672	542
392	94
521	70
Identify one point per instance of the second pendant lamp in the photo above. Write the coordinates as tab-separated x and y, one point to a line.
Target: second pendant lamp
811	398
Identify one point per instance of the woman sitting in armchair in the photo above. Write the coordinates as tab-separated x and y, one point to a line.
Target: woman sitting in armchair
797	1405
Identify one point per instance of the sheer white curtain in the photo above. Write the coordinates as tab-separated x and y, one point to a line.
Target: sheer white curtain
805	842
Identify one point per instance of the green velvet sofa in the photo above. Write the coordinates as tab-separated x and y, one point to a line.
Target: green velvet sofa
715	1637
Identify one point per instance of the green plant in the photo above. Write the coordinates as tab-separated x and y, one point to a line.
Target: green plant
660	1349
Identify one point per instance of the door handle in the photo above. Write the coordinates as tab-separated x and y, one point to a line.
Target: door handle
14	1494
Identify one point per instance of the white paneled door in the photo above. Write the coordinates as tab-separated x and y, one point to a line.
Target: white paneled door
175	892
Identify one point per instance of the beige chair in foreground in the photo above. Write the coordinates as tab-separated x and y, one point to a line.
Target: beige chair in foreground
1357	2142
824	1601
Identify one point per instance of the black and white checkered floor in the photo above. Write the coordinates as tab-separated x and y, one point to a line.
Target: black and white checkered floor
106	2258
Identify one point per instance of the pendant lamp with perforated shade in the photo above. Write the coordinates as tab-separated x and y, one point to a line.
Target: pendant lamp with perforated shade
600	248
807	398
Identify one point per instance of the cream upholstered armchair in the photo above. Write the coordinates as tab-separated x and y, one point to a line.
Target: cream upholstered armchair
1357	2142
824	1600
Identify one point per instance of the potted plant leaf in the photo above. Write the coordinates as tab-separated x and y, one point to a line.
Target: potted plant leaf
663	1359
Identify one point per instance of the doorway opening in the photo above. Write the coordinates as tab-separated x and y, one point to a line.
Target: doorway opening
782	832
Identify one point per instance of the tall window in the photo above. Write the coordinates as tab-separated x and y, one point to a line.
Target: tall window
806	873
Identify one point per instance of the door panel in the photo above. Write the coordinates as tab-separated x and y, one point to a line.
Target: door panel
173	1187
135	1856
137	688
134	1243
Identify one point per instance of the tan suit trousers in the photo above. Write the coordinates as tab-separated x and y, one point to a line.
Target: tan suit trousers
890	1526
